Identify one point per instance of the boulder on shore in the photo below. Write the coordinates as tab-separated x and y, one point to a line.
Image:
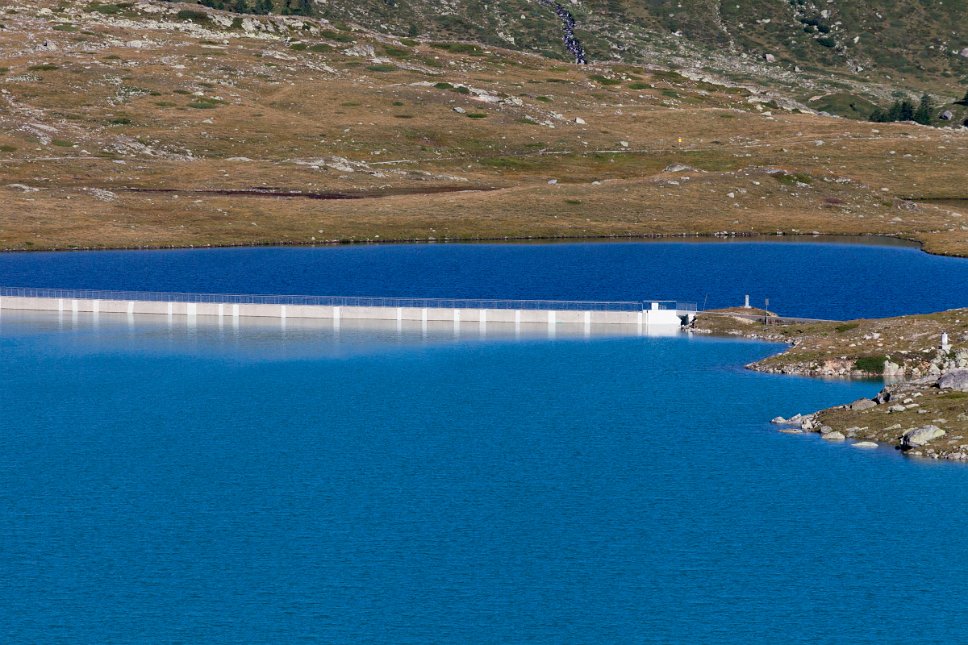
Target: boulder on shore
954	380
919	436
862	404
834	436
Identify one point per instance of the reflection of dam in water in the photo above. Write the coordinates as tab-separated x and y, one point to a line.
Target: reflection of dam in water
648	317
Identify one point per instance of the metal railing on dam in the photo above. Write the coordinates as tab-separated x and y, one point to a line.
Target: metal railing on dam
348	301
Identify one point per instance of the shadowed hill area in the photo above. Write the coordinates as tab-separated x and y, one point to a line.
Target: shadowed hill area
866	48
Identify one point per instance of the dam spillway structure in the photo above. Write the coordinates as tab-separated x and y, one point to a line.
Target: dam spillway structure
646	317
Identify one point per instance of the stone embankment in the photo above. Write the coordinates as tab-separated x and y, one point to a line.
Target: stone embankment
923	408
926	417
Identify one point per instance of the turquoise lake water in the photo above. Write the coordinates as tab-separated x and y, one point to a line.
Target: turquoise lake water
265	485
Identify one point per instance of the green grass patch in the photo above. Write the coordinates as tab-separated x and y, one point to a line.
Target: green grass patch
108	9
63	143
46	67
476	115
165	104
299	47
382	68
604	80
543	99
840	329
402	116
573	202
845	104
459	48
8	148
792	179
65	27
4	70
121	120
443	86
672	77
397	52
954	396
329	34
507	163
640	86
203	103
871	364
321	48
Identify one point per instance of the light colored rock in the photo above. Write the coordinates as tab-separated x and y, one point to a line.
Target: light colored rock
919	436
954	380
897	408
23	187
579	120
864	444
769	58
893	369
778	421
460	110
964	52
834	436
862	404
362	50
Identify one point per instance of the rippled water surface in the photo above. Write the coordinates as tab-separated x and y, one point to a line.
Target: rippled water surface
161	482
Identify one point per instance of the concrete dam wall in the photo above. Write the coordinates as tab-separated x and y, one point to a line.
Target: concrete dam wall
635	316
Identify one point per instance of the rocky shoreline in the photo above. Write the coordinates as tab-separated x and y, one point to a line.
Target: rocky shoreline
923	408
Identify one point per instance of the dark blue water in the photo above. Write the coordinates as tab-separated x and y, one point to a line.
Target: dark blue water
837	281
267	486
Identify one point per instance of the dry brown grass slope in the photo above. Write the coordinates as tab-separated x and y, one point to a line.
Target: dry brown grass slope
142	129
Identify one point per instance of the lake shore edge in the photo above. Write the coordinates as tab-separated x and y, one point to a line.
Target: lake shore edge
923	360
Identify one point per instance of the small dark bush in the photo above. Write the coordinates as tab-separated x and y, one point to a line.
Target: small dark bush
871	364
191	15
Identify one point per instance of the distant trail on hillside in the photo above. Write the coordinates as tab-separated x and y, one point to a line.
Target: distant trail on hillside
572	44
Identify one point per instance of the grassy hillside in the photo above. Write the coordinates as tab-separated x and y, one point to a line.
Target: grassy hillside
156	124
